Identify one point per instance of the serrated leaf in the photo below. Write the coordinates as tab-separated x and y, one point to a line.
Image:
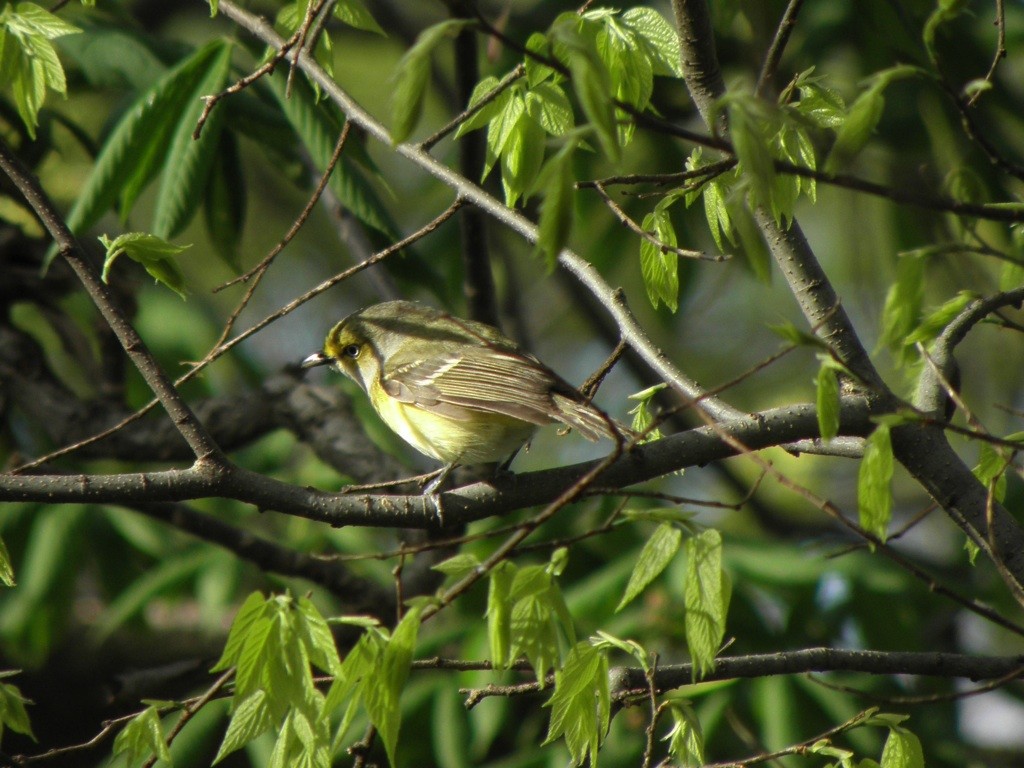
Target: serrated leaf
253	658
706	596
828	402
188	161
660	268
224	201
12	709
410	80
382	696
355	14
580	703
318	126
521	158
251	609
656	554
685	738
902	750
142	738
903	301
6	567
591	82
317	637
557	184
824	106
486	113
499	614
250	720
131	154
874	491
937	320
459	565
152	252
752	146
537	72
548	105
660	36
991	469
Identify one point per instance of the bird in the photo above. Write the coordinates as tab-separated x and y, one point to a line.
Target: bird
457	390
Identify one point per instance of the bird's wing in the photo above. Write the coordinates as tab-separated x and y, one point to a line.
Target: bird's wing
477	379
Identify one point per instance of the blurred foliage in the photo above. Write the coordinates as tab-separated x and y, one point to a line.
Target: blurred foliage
102	103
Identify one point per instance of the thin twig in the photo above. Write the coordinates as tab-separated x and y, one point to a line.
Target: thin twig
1000	53
778	46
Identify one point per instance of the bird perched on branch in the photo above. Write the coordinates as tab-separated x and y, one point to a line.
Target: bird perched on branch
457	390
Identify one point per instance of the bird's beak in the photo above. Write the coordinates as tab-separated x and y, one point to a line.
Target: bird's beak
318	358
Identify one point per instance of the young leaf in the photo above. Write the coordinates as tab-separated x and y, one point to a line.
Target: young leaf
153	253
251	719
660	268
686	738
6	568
991	469
874	492
132	154
411	77
642	417
856	129
828	401
12	710
499	614
382	695
660	37
936	322
706	596
903	301
317	638
753	148
252	609
580	704
548	105
902	750
654	557
557	184
142	738
486	113
188	161
354	13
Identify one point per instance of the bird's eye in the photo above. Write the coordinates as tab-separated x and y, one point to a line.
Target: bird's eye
352	350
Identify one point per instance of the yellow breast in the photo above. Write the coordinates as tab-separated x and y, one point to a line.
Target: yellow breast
481	438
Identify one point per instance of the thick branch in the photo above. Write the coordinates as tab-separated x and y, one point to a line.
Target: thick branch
500	495
195	434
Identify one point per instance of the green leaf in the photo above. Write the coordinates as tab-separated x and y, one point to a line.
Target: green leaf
706	596
133	152
152	252
251	719
410	80
874	491
188	161
499	614
28	61
580	703
660	268
750	238
753	148
382	696
252	609
946	10
12	710
686	738
459	566
537	72
501	128
642	416
935	323
318	126
6	567
828	401
591	82
903	301
991	470
902	750
317	638
547	104
224	200
558	184
824	106
521	158
355	14
486	113
660	37
654	557
142	738
856	129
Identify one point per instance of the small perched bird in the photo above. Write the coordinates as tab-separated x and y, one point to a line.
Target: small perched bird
457	390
